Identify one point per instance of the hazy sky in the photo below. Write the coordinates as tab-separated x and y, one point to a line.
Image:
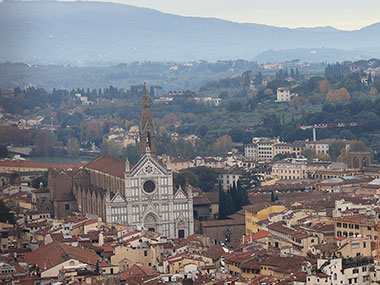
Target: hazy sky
341	14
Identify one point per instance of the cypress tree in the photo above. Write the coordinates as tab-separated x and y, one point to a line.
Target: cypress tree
243	195
222	203
229	202
273	197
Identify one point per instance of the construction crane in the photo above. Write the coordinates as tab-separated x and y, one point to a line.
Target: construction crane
325	126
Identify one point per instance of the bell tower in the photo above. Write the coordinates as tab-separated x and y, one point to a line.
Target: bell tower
147	135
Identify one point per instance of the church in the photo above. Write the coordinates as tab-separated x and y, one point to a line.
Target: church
141	195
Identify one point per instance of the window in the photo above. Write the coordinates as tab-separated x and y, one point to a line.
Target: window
67	207
339	225
145	253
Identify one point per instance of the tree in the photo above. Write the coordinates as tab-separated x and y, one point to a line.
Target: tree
335	149
243	194
230	207
373	91
15	178
112	147
222	145
40	179
323	157
44	143
324	87
273	197
132	152
73	147
338	95
222	204
5	215
268	92
179	179
94	132
356	145
208	178
3	151
233	192
249	179
308	153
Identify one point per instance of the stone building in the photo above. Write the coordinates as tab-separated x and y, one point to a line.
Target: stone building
140	195
359	159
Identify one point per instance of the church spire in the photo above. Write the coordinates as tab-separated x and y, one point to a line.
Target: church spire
147	135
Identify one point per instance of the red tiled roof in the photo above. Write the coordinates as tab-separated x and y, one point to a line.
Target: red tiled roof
30	164
90	222
107	164
139	273
55	253
353	218
214	252
255	236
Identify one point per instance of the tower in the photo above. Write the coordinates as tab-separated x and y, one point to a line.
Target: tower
147	135
149	199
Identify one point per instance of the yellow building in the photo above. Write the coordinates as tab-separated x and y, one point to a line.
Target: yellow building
178	263
257	213
354	226
282	148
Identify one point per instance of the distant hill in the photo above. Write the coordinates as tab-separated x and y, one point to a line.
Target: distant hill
307	55
85	32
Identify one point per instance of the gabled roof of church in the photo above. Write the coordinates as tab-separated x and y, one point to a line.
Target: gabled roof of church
155	161
107	164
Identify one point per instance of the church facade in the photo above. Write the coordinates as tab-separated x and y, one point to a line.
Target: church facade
140	195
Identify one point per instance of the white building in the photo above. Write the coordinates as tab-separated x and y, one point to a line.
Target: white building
209	100
322	146
150	200
284	95
331	271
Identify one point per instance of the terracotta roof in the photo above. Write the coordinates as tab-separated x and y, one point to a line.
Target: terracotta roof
214	252
27	163
138	273
281	228
259	235
213	197
90	222
256	207
55	253
239	257
353	218
41	190
201	200
107	164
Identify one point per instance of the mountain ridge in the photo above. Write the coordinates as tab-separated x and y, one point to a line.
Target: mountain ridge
79	32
